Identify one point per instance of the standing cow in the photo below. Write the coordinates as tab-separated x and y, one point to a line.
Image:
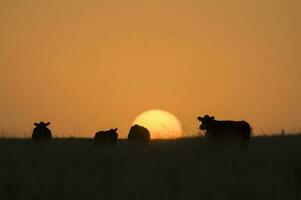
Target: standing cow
225	129
139	134
41	131
106	137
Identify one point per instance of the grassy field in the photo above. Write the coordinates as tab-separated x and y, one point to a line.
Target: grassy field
178	169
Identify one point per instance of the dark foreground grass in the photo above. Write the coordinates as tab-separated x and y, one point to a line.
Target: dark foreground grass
179	169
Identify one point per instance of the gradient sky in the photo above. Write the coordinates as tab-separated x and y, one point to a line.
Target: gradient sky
87	65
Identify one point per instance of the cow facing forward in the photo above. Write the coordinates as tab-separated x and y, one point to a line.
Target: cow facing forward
139	134
225	129
41	131
106	137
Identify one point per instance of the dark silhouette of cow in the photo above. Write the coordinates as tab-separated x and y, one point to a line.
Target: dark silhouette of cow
139	134
106	137
225	129
41	132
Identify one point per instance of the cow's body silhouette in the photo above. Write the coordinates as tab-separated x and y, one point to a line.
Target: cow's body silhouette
216	129
106	137
41	131
139	134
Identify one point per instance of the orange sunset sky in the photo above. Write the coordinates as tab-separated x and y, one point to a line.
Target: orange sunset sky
87	65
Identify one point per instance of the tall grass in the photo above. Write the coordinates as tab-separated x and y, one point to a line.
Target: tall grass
166	169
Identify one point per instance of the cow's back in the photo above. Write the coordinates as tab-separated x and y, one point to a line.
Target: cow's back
229	128
139	134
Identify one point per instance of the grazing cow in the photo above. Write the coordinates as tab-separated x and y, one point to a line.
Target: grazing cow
41	132
226	129
106	137
139	134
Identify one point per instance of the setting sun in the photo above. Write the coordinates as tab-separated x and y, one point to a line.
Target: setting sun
160	123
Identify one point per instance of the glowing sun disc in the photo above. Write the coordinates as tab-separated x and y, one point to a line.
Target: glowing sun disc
160	123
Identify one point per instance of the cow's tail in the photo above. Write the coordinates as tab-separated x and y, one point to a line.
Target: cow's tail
248	133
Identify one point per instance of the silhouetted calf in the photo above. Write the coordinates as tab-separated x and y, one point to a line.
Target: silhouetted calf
41	132
139	134
227	129
106	137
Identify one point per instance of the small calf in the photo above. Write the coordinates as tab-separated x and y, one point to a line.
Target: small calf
41	132
106	137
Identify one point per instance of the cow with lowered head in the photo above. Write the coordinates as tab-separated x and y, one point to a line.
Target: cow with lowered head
41	131
139	134
225	129
106	137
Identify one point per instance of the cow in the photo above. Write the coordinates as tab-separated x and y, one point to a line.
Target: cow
106	137
139	134
41	131
216	129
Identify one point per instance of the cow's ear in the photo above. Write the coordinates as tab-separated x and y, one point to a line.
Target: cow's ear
47	124
200	118
115	129
212	117
36	124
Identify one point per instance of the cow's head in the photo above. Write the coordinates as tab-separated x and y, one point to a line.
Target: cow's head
206	122
114	130
42	124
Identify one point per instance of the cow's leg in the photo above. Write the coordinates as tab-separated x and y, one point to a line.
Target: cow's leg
244	144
